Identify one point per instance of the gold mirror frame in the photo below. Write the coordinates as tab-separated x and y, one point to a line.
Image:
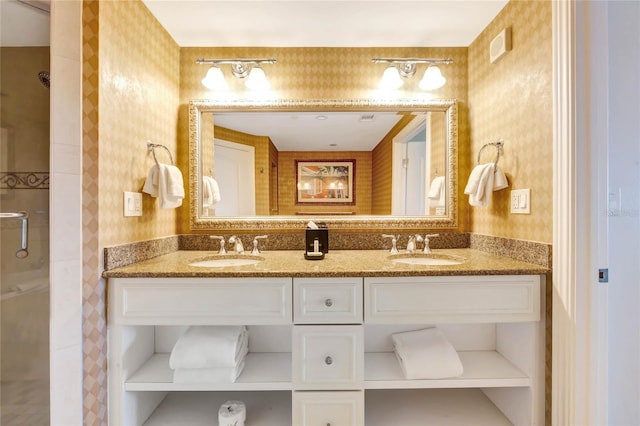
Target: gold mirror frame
351	223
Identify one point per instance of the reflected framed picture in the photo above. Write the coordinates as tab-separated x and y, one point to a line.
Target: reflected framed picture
326	182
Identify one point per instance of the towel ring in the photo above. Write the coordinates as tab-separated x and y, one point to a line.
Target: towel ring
498	144
152	146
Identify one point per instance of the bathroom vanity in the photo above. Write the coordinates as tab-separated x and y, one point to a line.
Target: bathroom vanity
320	351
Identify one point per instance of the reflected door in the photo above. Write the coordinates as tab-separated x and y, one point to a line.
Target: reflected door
234	172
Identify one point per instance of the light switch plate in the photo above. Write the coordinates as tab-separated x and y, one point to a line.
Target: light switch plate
132	203
521	201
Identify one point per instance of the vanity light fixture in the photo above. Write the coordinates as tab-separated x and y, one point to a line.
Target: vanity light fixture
240	68
406	68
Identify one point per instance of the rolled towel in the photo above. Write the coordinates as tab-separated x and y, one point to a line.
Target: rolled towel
210	347
426	354
208	375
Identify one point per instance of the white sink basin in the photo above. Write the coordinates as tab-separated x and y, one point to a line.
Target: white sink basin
429	259
223	261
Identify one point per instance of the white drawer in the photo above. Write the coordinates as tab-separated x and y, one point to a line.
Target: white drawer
328	408
328	357
460	299
193	301
327	300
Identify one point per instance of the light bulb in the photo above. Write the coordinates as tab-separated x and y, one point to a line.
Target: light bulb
432	79
391	78
257	79
214	80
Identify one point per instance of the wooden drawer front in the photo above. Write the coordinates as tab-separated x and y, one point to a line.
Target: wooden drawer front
328	408
192	301
328	357
327	301
409	300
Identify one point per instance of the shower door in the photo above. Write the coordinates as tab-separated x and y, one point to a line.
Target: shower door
24	223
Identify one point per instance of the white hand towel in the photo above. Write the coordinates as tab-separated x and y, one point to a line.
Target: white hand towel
480	185
210	347
170	187
499	179
437	192
151	184
208	375
426	354
211	192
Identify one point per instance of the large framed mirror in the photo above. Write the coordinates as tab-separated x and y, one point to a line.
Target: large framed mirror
351	164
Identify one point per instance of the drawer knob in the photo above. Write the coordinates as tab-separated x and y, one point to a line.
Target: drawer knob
328	360
328	303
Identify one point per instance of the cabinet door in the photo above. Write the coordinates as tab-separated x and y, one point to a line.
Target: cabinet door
327	300
195	301
328	408
328	357
460	299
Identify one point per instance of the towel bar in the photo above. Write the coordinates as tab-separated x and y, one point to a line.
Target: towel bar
498	144
152	146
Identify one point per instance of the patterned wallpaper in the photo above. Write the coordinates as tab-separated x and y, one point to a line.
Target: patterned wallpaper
139	92
321	73
145	81
512	99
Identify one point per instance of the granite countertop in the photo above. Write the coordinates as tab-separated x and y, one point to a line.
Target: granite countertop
337	263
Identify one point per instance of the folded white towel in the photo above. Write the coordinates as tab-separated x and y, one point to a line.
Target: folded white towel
426	354
170	187
211	192
480	185
208	375
210	347
165	182
499	179
151	184
437	192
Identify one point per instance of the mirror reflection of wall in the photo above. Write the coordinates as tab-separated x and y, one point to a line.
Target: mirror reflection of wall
281	140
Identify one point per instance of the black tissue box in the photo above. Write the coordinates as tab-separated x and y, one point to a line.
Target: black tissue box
322	235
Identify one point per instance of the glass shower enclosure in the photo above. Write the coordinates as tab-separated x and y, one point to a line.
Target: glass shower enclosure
24	215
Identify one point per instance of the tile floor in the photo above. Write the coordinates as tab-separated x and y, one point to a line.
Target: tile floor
24	403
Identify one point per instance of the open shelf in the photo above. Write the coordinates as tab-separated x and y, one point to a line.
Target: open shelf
201	408
425	407
482	369
262	371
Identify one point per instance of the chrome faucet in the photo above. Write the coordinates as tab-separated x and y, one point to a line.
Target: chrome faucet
427	249
239	248
394	241
412	245
255	250
221	238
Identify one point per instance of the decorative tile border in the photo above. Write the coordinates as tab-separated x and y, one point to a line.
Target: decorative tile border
24	180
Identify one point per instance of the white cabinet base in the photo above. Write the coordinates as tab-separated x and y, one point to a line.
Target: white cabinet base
437	407
201	408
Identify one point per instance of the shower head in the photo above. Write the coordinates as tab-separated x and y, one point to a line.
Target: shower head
43	76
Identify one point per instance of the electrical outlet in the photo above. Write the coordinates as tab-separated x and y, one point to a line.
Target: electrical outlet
521	201
132	203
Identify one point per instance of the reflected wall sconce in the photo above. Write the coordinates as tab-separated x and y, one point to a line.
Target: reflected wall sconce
399	68
250	69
